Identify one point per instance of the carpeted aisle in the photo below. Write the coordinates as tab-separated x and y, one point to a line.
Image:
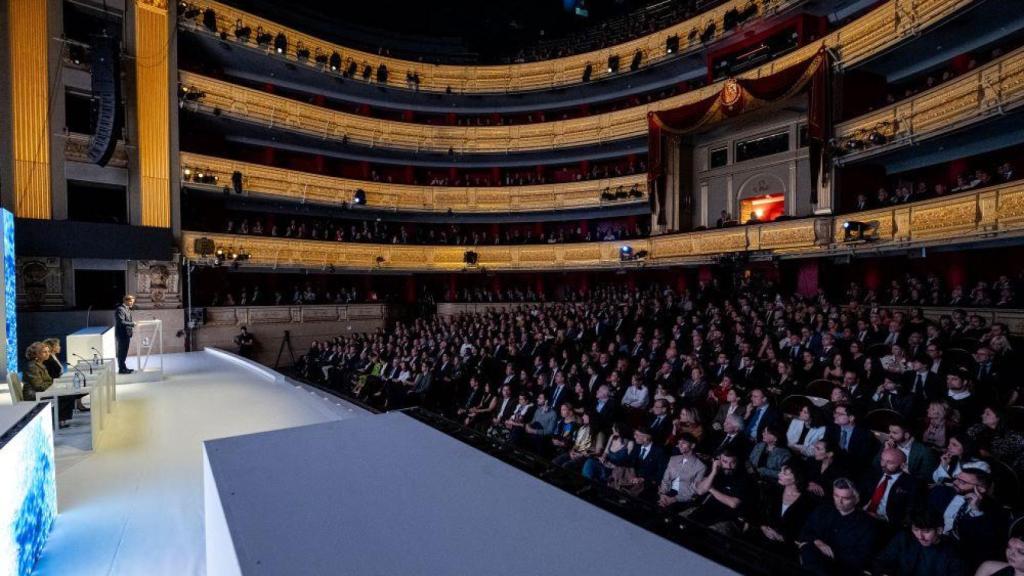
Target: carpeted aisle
136	506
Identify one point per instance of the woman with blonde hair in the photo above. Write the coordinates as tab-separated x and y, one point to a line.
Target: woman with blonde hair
35	378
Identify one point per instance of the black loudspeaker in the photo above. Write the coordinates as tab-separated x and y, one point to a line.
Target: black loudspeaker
204	246
106	90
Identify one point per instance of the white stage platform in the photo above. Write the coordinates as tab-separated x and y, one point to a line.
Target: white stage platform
388	494
135	506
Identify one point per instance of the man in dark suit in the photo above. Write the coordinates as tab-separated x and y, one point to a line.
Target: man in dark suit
760	414
921	551
970	516
889	494
838	538
732	437
923	385
661	422
124	327
648	460
856	443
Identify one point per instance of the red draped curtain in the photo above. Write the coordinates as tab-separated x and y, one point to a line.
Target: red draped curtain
741	95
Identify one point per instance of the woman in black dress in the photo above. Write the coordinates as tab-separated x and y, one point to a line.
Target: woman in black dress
786	508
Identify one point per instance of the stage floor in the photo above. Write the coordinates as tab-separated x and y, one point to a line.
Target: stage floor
387	494
136	505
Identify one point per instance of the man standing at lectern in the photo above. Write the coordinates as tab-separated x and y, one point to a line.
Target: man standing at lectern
124	326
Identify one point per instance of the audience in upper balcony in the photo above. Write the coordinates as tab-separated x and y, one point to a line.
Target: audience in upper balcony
903	191
378	232
838	497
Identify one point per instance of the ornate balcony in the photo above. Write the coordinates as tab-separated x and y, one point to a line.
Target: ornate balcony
305	187
876	31
987	91
501	78
992	213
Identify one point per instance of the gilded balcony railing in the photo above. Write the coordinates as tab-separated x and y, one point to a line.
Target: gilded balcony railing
989	90
875	31
993	212
494	78
306	187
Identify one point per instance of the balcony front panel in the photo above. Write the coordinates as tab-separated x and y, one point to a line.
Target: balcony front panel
993	213
306	187
989	90
499	78
878	30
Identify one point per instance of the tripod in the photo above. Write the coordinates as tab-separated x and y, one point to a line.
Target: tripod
287	341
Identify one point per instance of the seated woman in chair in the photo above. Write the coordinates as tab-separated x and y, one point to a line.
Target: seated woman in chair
36	379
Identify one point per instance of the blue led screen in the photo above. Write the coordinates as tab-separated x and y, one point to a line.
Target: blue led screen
10	268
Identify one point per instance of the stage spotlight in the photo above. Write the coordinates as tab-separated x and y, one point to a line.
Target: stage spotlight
242	32
672	44
626	253
638	57
335	62
188	174
587	72
613	64
855	231
877	138
210	20
854	144
280	43
359	197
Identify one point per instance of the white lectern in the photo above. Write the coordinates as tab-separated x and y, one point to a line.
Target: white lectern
91	344
147	342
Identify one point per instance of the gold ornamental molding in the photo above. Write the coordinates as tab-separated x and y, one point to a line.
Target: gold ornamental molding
158	6
878	30
153	102
501	78
27	50
986	214
989	90
306	187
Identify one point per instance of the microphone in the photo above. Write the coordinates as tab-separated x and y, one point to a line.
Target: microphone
87	363
97	357
85	381
87	313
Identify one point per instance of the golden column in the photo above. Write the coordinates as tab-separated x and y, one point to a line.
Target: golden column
30	107
152	41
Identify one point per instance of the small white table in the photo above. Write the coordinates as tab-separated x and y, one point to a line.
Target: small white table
100	387
90	344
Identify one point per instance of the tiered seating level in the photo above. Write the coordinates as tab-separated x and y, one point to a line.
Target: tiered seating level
986	214
877	30
503	78
991	89
306	187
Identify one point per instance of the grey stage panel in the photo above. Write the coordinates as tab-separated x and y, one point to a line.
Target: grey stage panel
389	495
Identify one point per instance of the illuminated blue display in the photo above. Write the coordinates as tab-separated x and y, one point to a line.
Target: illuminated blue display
10	291
28	495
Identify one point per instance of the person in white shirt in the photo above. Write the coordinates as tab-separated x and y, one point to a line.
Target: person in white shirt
636	395
804	430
